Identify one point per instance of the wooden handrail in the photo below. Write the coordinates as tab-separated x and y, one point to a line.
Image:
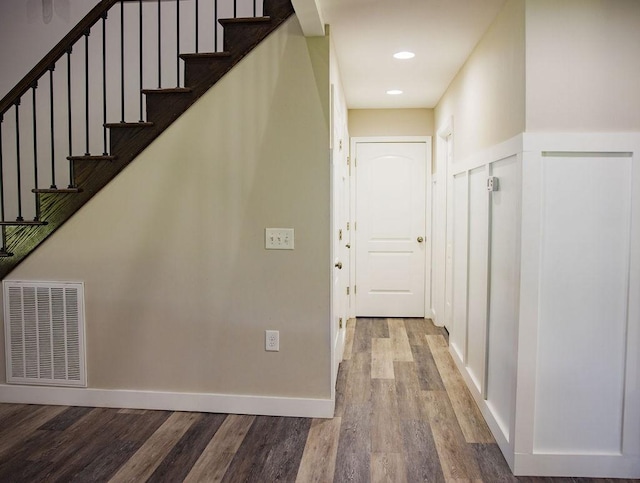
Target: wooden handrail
55	54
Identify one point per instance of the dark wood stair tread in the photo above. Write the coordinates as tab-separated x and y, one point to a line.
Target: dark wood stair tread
89	157
23	223
57	190
127	125
171	90
244	20
205	55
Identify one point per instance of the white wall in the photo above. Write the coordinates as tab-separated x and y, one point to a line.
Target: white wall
29	31
486	98
179	286
582	65
483	106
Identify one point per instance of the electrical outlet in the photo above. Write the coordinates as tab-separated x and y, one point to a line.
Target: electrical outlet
272	340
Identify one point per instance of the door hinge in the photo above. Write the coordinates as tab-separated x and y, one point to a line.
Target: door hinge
348	160
348	226
355	289
340	322
340	234
355	226
347	290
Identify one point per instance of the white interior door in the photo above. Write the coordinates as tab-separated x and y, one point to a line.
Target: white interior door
340	214
341	253
391	228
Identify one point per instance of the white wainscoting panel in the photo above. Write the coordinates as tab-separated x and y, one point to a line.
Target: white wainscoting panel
458	334
478	261
547	277
584	296
503	291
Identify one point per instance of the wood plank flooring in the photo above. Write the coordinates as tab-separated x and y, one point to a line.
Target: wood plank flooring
403	414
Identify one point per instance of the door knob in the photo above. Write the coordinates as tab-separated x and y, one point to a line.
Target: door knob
339	265
420	239
348	245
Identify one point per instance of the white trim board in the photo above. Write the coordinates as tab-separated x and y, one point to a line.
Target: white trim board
169	401
489	155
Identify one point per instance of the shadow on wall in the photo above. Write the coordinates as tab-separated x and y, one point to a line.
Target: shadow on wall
46	9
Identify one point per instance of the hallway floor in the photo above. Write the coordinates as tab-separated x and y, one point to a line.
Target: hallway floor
403	413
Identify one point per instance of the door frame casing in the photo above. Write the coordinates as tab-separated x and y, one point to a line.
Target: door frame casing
441	200
427	140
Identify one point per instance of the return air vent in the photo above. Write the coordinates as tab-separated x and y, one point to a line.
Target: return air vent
44	333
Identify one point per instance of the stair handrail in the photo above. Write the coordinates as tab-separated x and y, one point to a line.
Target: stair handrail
55	54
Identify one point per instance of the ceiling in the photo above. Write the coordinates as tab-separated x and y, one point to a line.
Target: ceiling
366	34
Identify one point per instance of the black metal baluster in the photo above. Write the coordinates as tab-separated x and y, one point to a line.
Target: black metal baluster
255	9
215	25
122	60
2	182
71	167
197	24
35	136
35	149
235	8
159	46
177	43
104	84
53	150
18	175
86	92
141	57
3	249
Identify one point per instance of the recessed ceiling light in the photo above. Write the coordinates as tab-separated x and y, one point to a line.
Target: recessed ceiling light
404	55
394	92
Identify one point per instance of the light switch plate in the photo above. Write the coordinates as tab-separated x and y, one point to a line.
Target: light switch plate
279	238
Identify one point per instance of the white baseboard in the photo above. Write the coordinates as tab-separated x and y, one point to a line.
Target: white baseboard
580	465
168	401
431	314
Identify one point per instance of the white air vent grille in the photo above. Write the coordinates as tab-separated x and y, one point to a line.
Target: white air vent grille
44	333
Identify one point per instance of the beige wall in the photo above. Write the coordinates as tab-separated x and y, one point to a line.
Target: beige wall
390	122
179	287
487	97
583	68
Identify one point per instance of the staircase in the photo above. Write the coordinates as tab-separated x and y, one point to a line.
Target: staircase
36	134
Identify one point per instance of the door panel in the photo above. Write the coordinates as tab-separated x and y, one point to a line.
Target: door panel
390	215
340	213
